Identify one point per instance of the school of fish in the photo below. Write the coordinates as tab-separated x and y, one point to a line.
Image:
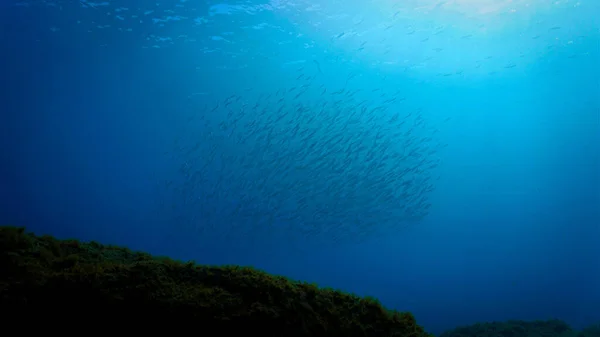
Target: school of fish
308	161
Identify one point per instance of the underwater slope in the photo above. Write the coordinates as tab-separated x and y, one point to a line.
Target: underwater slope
47	278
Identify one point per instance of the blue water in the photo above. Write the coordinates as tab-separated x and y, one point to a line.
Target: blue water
443	157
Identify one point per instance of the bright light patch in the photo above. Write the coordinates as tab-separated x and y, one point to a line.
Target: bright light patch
472	7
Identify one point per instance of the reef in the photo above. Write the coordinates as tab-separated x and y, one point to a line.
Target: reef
45	279
515	328
591	331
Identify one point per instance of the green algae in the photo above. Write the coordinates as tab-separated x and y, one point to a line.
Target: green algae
44	278
519	328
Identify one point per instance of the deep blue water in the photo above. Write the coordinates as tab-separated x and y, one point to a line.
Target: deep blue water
443	157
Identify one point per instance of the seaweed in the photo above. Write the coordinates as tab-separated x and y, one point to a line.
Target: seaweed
44	278
591	331
513	328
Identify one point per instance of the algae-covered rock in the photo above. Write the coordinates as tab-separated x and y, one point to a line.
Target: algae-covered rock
549	328
43	278
591	331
